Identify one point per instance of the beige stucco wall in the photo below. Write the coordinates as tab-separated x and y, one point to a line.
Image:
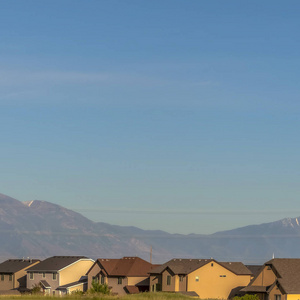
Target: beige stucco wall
73	272
265	278
136	280
79	287
211	285
292	297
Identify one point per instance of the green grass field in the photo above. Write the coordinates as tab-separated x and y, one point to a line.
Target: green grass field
142	296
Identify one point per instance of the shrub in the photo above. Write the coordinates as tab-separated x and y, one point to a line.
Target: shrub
99	288
247	297
37	289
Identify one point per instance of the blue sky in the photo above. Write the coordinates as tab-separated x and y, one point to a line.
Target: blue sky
173	115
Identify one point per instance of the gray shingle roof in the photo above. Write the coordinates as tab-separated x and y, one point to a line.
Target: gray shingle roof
14	265
181	266
55	263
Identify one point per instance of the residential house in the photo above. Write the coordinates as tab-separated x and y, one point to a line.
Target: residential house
13	274
128	275
279	279
205	278
59	275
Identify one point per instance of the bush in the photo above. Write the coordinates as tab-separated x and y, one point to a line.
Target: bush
37	289
247	297
99	288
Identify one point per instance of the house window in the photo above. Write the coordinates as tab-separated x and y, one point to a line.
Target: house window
10	277
95	279
277	297
119	280
197	278
212	264
44	275
181	277
31	276
54	276
168	280
222	275
2	277
102	279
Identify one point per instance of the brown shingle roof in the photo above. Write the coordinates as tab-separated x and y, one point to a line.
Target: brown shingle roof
255	289
132	289
14	265
255	269
55	263
237	268
126	266
186	266
288	270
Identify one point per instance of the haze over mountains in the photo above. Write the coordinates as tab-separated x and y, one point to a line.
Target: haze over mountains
39	229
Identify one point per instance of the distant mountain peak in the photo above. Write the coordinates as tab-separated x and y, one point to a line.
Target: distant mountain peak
28	203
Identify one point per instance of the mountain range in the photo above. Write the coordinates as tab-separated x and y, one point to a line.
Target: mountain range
39	229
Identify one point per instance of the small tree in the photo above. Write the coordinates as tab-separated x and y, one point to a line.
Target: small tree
37	289
99	288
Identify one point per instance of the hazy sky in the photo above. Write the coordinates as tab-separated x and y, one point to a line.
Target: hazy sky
162	114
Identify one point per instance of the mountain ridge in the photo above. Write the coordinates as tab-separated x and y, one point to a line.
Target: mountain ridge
41	229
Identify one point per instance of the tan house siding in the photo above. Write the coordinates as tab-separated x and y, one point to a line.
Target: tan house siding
6	284
137	280
18	279
38	276
155	283
276	291
79	287
182	283
265	278
73	272
168	287
215	281
115	286
94	272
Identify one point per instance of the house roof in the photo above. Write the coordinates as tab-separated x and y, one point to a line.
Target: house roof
237	268
55	263
45	284
255	289
186	266
126	266
11	266
181	266
72	284
132	289
255	269
287	271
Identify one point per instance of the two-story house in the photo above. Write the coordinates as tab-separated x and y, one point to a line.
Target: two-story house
278	279
59	275
13	274
128	275
206	278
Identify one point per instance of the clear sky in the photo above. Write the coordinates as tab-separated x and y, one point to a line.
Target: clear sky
162	114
